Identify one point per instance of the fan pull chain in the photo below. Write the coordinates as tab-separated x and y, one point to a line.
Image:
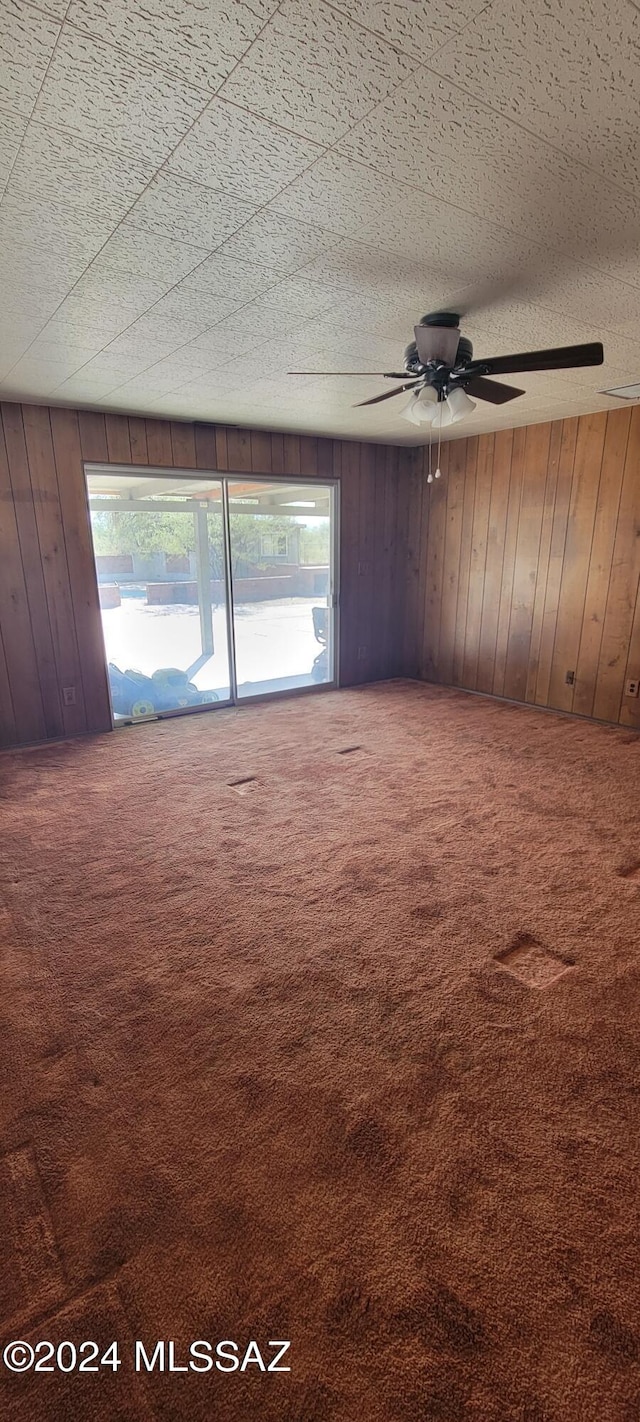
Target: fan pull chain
438	470
429	475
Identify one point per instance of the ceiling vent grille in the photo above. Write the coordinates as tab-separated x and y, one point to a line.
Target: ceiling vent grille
624	392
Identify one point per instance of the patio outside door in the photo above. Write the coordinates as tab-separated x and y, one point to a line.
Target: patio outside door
211	590
282	579
160	550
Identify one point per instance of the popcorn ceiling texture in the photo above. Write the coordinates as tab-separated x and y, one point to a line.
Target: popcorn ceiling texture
395	156
265	1075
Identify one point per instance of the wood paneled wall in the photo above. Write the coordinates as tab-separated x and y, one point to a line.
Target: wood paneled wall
50	626
530	566
520	564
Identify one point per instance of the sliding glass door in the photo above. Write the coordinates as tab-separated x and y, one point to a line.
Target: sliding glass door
160	551
281	539
211	590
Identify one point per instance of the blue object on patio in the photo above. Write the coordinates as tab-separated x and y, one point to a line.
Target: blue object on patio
168	689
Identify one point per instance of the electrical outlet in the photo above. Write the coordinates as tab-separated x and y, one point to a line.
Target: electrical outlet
570	678
363	569
362	652
632	687
69	695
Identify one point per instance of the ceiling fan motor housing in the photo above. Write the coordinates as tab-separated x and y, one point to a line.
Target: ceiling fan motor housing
445	357
440	318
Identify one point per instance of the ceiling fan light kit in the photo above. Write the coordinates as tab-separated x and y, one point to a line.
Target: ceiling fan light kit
421	407
457	405
424	407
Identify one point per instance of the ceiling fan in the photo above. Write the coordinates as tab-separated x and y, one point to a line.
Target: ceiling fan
443	374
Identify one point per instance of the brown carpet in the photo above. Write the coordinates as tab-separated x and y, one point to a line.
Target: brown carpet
347	1054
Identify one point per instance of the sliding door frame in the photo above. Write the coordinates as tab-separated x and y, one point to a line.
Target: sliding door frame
224	479
333	485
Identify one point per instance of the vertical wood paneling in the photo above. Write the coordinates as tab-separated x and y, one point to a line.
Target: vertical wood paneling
455	490
308	456
599	573
383	567
613	665
423	538
277	453
19	668
534	478
206	452
325	458
550	488
118	439
74	512
509	561
407	563
25	515
554	559
371	544
352	565
503	443
9	733
260	452
292	454
138	440
159	443
577	553
568	440
478	560
436	495
183	445
394	552
222	455
462	592
239	451
630	705
370	528
93	436
53	555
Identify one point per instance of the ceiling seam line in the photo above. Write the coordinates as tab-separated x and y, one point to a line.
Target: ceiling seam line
498	113
163	166
435	197
451	39
138	196
40	87
282	278
466	212
146	63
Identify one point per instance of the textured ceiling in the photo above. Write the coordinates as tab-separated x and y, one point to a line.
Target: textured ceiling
200	195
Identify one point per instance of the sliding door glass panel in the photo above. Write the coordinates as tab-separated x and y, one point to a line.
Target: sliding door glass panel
281	538
159	547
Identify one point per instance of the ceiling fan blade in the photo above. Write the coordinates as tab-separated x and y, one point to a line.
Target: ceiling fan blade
437	343
558	358
387	394
384	374
491	390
